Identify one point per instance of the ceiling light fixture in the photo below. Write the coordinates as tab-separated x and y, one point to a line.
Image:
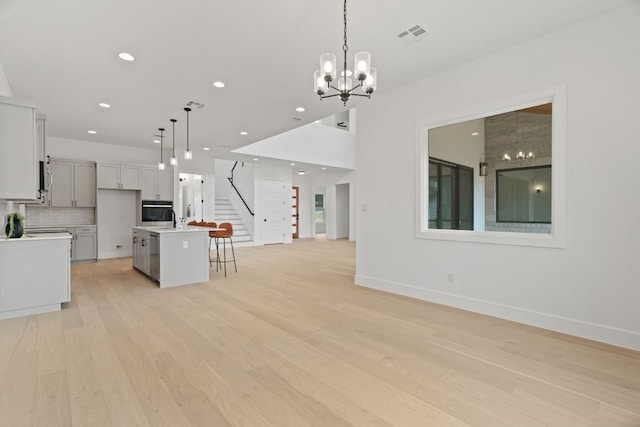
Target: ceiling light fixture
92	132
161	164
174	161
301	172
243	133
104	105
126	56
206	148
157	141
367	76
188	155
300	109
218	84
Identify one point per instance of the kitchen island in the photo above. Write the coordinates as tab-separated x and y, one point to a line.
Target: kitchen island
35	274
172	256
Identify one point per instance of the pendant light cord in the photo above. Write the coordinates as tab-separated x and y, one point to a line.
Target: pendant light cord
173	122
345	48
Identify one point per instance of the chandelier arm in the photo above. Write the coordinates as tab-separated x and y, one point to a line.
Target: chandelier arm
330	96
360	94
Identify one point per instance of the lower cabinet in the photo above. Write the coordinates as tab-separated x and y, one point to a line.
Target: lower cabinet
142	251
84	243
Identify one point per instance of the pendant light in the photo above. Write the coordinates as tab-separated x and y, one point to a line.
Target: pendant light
366	75
187	153
174	161
161	164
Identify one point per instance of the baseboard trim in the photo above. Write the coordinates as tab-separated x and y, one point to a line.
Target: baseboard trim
592	331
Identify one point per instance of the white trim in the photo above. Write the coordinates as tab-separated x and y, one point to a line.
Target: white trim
575	327
557	239
29	311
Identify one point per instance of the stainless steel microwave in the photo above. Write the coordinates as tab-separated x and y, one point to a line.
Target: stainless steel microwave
156	211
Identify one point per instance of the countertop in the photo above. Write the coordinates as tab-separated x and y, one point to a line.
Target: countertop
178	229
36	236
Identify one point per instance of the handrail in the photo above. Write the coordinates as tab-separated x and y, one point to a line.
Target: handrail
237	191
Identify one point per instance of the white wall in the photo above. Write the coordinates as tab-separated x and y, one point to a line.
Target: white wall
116	217
312	143
588	289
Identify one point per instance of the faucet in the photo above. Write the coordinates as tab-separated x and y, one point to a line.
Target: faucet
173	217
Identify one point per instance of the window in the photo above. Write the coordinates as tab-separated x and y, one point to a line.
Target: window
523	195
497	145
450	196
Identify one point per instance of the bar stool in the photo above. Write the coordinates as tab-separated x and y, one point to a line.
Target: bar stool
224	235
212	236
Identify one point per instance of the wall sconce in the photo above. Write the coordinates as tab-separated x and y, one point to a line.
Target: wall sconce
538	189
482	170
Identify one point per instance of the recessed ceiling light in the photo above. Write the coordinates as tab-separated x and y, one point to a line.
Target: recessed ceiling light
300	109
301	172
324	169
157	141
104	105
206	148
218	84
126	56
92	132
292	164
475	133
243	133
255	160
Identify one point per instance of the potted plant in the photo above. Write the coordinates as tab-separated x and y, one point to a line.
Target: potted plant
15	225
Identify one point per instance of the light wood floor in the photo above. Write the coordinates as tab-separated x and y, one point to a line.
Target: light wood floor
290	341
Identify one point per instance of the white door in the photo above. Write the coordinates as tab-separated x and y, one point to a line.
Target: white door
273	211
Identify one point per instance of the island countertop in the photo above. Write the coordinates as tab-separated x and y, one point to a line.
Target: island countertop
178	229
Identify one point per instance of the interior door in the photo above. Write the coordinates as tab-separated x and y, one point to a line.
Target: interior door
273	211
295	212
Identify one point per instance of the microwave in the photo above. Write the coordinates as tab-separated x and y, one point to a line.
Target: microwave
156	211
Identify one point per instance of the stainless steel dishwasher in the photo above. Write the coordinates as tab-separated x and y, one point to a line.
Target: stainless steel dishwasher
154	256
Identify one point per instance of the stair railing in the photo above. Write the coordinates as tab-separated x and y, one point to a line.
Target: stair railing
237	191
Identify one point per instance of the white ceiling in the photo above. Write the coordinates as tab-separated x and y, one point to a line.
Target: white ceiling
63	56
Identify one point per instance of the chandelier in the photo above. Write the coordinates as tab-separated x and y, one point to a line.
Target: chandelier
363	72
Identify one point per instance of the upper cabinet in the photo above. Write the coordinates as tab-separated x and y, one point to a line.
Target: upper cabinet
18	150
157	184
73	184
118	177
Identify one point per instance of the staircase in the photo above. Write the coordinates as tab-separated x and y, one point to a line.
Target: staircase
225	212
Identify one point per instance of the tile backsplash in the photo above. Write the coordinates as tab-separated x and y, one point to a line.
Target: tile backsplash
38	216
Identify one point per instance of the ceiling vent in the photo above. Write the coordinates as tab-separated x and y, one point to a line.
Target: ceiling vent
193	104
413	34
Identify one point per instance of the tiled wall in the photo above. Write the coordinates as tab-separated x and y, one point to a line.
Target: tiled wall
510	133
39	216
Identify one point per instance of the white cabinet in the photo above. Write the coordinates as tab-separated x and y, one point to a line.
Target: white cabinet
84	243
157	184
26	288
142	251
118	177
73	184
18	152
